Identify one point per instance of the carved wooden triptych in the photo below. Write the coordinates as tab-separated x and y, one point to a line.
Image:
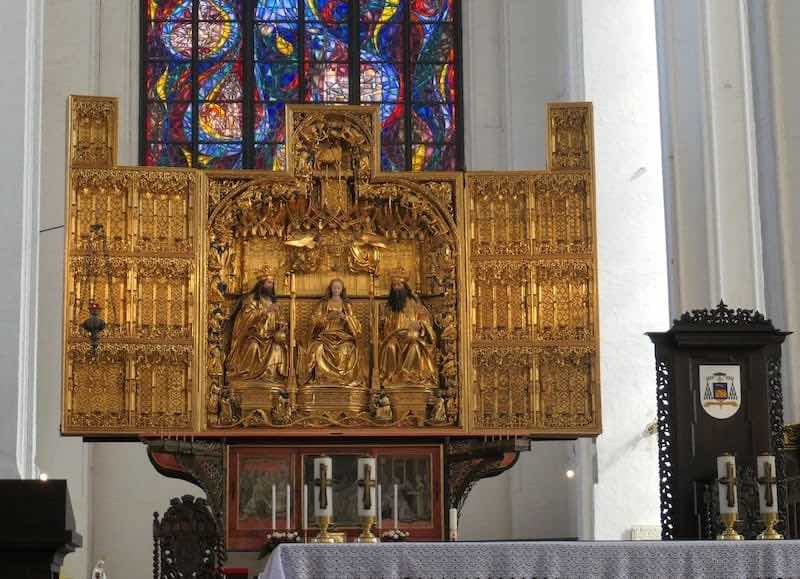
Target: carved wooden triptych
330	297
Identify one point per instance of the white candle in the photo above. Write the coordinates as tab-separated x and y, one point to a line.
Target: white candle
318	463
722	473
305	507
365	464
380	509
453	524
288	507
274	510
394	511
766	470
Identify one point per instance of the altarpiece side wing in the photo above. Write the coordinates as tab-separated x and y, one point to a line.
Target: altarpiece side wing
331	297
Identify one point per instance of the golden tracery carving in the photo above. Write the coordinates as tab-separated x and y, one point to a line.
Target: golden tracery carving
332	295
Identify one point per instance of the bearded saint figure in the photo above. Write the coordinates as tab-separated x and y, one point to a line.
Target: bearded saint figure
408	340
258	343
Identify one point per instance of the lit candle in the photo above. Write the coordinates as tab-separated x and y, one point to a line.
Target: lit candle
323	463
305	507
367	468
767	484
288	507
395	506
726	479
380	509
273	506
453	524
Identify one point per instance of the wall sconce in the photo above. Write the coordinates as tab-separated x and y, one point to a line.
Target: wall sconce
96	260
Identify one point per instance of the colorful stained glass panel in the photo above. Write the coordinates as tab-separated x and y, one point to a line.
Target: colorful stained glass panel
270	156
431	10
169	40
392	122
327	83
269	121
166	80
168	155
219	40
220	81
433	122
220	10
275	40
168	122
381	81
324	43
393	156
220	121
381	10
433	157
276	81
219	155
169	9
434	82
327	11
431	43
276	10
381	41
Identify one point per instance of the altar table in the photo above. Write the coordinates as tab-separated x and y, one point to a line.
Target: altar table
523	560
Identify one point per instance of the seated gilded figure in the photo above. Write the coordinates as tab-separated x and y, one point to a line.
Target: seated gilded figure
258	349
332	354
408	341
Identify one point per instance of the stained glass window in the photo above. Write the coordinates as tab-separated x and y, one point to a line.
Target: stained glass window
217	74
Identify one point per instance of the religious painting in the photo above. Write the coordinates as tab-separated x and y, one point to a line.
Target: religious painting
415	470
720	390
252	503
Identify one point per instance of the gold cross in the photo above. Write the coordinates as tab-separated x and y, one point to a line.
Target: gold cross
367	484
730	482
768	480
323	481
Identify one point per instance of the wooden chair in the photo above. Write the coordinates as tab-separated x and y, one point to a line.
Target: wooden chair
188	541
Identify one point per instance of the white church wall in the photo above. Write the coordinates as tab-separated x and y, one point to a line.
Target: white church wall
620	73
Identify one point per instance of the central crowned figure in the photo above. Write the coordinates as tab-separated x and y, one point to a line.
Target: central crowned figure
333	354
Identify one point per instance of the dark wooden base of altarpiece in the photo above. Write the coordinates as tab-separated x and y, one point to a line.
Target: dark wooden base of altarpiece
466	461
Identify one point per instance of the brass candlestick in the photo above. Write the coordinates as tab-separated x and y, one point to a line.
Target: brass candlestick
323	536
769	533
729	534
366	535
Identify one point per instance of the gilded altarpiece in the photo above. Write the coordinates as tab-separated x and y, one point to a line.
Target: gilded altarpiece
330	297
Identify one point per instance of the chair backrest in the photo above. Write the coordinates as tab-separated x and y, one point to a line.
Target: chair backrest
187	541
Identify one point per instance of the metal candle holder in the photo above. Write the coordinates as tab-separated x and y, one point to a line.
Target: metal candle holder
769	533
366	535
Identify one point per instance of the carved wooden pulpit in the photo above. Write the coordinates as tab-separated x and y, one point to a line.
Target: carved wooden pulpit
331	302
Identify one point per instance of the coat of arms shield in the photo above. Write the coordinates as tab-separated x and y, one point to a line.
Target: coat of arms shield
720	390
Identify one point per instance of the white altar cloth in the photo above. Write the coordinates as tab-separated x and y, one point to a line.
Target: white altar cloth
522	560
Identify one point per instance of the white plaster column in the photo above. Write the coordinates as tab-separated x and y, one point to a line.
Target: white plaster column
780	123
710	154
620	73
20	103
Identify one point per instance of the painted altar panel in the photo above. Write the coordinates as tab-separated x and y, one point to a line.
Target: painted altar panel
417	470
331	297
